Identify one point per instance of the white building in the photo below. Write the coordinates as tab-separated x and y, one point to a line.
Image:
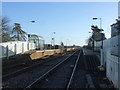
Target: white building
111	54
38	40
113	61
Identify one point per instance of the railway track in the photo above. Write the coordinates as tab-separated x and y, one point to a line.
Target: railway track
21	80
78	79
21	68
60	76
67	72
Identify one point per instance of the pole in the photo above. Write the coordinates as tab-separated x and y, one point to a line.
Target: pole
66	45
52	39
102	51
54	42
100	23
67	40
51	42
101	41
102	60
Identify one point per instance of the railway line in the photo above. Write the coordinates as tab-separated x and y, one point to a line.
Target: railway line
61	75
78	79
24	79
24	67
74	70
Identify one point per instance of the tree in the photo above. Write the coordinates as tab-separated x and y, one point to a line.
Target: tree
5	29
97	34
18	33
62	46
96	29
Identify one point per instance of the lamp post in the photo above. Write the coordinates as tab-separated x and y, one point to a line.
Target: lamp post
91	44
32	21
100	21
28	26
52	39
36	44
101	40
66	43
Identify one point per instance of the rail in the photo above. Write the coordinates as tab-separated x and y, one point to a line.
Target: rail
69	83
49	71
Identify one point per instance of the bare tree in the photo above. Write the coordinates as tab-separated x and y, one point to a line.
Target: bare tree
5	29
18	33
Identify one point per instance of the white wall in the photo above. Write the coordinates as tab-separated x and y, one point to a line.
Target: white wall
106	50
15	47
113	69
111	56
115	45
97	45
113	61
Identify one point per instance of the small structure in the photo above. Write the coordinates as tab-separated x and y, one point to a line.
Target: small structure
115	29
38	40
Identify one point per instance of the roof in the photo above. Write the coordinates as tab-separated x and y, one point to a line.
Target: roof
33	36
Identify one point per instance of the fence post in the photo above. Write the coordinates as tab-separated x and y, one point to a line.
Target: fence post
15	49
7	52
31	45
28	46
22	47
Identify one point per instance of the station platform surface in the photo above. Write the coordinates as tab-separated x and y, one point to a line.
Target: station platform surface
97	78
90	52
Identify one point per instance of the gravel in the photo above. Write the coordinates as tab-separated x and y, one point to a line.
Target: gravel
24	79
60	77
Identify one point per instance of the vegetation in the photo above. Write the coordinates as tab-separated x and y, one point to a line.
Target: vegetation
96	34
5	30
95	29
62	46
18	33
9	33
